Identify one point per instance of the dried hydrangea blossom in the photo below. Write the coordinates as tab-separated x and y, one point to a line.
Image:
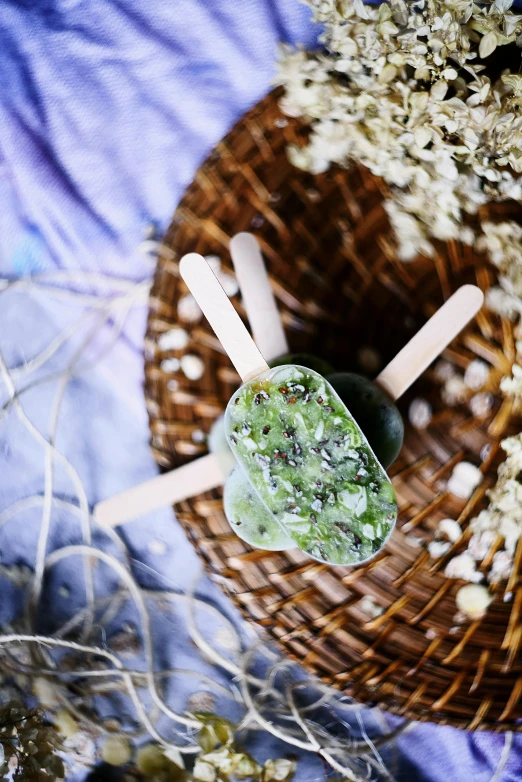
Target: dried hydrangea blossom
28	746
473	600
463	566
443	370
174	339
450	529
189	310
420	413
512	386
502	242
476	374
481	404
116	750
458	388
402	89
192	366
437	548
501	519
369	606
464	480
454	391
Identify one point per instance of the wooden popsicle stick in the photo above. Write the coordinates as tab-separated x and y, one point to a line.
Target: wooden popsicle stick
189	480
258	296
220	313
430	341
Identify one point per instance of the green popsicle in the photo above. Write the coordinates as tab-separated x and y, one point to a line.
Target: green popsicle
311	465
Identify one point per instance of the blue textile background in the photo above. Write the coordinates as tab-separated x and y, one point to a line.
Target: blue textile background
106	109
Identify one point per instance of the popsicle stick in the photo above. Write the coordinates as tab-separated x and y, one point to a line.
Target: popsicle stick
189	480
220	313
258	296
430	341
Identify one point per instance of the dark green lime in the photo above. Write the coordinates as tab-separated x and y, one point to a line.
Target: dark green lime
375	413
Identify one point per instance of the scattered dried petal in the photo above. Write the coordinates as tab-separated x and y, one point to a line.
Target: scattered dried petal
464	480
488	44
473	600
476	374
420	413
115	750
175	339
451	529
193	367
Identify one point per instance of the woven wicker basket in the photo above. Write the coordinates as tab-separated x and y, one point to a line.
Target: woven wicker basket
340	287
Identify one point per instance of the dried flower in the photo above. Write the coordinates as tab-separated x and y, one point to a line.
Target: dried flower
174	339
463	566
193	367
454	391
444	370
481	404
27	745
501	519
279	770
512	386
368	605
188	309
437	548
420	413
476	374
45	691
450	529
116	750
65	723
464	480
473	600
169	365
502	242
402	90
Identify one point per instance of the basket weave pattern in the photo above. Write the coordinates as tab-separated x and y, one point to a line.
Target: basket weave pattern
326	240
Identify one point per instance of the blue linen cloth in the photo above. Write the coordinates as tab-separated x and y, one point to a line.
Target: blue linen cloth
107	107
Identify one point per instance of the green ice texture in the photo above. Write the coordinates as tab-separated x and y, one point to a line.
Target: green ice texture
249	517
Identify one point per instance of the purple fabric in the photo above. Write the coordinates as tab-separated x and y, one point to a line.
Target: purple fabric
107	107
